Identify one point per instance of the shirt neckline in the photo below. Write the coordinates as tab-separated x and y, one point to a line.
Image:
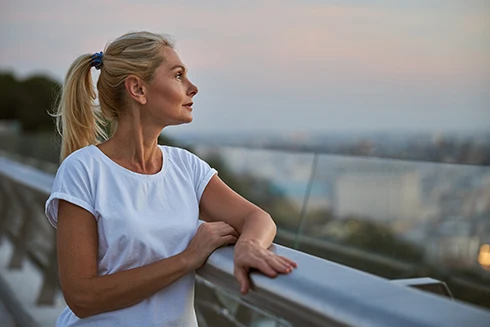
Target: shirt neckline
129	172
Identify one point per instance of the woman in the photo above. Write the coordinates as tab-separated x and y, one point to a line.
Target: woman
126	210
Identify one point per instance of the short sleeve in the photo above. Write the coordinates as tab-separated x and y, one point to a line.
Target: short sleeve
72	184
202	174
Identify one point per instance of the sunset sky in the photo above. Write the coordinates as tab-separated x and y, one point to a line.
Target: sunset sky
286	66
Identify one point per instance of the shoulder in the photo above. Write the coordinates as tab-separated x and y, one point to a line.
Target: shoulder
79	160
75	176
185	160
178	155
80	154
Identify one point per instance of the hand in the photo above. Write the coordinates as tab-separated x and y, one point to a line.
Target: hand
209	237
251	254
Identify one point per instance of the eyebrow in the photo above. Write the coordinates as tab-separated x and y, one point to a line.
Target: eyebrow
178	66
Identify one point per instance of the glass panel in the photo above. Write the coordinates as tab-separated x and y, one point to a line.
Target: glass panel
217	307
274	180
401	219
392	218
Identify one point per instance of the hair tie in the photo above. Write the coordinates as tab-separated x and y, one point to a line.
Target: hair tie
96	60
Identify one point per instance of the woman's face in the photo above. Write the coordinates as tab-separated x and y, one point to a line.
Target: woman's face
170	93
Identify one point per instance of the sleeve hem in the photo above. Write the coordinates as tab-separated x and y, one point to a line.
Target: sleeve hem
51	208
204	182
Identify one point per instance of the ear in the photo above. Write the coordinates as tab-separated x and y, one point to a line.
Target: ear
136	89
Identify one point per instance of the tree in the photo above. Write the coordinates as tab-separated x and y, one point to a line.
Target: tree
11	97
28	100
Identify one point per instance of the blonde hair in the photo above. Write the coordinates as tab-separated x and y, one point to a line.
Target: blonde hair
81	122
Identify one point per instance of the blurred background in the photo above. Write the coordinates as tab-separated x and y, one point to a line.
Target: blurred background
362	127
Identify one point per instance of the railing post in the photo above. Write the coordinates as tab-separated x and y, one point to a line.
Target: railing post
3	206
50	278
6	204
19	241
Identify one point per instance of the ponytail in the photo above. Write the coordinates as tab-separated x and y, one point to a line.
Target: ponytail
81	122
77	119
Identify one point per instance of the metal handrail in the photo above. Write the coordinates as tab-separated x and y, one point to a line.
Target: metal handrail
318	292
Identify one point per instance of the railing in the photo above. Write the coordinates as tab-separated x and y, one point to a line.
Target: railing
318	293
393	218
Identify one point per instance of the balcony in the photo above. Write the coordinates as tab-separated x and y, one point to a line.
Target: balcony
322	204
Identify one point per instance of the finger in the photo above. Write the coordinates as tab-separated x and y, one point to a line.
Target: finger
222	224
224	229
265	268
225	240
217	226
241	275
279	264
233	232
230	230
229	239
289	261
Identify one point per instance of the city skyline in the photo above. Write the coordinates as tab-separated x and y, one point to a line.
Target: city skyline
287	66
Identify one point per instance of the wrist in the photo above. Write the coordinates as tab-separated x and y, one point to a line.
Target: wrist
188	260
250	241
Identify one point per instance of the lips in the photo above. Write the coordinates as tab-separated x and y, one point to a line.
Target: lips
188	104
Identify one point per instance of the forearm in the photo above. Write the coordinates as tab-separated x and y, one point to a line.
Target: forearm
126	288
258	227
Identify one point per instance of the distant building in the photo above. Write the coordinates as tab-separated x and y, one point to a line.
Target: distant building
454	243
477	201
380	195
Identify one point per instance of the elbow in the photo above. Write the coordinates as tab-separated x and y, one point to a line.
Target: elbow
264	216
274	226
79	313
81	304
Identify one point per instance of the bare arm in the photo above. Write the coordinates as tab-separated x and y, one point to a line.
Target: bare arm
220	203
88	294
255	227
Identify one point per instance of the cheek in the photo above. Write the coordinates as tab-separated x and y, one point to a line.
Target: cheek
171	95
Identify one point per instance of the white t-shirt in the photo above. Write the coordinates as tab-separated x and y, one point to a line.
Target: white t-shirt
140	219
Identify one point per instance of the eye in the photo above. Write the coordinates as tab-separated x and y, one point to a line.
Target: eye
179	76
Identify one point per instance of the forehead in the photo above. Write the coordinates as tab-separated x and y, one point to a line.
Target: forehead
172	59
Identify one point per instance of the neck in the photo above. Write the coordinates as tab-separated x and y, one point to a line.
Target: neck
134	146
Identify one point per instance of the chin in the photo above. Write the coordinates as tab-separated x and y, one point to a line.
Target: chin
183	121
186	120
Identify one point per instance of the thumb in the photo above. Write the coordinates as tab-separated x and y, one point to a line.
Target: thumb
241	275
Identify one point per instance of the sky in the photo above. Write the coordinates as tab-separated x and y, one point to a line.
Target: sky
286	66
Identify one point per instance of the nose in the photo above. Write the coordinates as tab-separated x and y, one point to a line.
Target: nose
192	89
